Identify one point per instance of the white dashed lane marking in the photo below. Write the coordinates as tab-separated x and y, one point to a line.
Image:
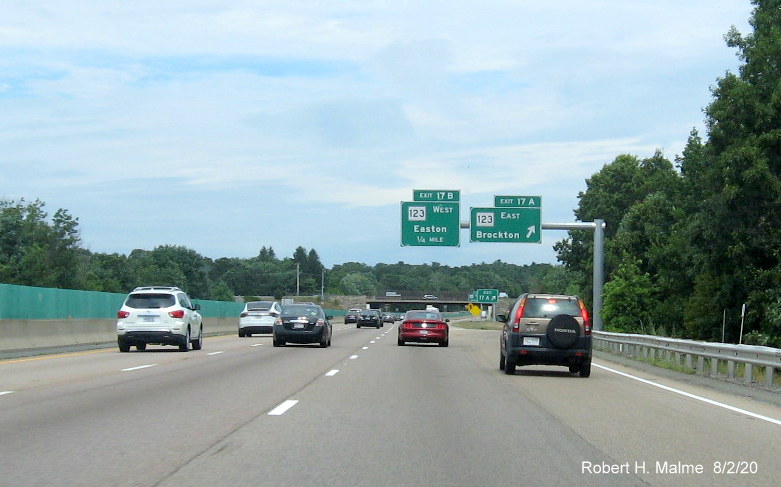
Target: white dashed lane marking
283	408
138	368
332	373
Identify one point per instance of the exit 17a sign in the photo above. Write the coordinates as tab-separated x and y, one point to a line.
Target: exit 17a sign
430	223
487	295
518	201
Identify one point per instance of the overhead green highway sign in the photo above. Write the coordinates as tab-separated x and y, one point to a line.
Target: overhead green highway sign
430	223
511	224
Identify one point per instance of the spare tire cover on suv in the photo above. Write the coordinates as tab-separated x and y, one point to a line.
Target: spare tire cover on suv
563	331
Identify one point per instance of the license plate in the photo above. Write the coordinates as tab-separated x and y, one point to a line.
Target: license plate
531	341
424	332
148	318
298	326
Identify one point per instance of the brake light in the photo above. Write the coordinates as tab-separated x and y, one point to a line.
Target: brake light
320	323
243	314
518	316
179	313
586	318
123	314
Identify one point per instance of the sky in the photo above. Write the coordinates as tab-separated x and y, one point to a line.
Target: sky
227	126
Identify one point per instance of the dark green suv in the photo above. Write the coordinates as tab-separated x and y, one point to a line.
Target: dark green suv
546	329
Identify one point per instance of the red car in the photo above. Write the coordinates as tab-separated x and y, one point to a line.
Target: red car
424	326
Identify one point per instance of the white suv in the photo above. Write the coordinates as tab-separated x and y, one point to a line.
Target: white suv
159	315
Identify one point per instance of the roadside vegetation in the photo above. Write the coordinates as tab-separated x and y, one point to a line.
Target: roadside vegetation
688	242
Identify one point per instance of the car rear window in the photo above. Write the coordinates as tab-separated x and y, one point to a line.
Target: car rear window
259	306
150	301
296	311
550	307
423	315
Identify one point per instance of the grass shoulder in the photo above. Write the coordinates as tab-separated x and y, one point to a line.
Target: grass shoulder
479	325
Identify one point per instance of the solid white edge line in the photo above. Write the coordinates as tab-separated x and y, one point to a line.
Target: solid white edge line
138	368
693	396
332	373
282	408
3	393
215	353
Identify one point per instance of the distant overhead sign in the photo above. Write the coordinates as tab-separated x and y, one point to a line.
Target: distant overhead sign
487	295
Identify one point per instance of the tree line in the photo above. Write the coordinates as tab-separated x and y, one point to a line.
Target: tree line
36	250
689	243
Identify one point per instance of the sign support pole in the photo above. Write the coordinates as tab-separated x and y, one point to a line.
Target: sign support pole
598	276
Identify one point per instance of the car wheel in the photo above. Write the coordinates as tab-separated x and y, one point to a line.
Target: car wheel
573	369
585	368
141	347
278	343
123	346
358	326
501	360
444	343
247	334
400	342
563	331
198	342
509	366
185	345
324	340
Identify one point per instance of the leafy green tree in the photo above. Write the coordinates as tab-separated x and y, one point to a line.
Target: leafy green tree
356	283
628	299
34	251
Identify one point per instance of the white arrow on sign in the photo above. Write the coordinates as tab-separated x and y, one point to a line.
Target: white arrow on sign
532	231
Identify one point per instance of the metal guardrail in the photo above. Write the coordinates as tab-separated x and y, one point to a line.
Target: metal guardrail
703	358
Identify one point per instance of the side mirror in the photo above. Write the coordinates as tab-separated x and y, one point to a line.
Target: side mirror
196	306
274	314
502	318
329	317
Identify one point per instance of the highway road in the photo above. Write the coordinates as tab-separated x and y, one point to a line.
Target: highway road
366	412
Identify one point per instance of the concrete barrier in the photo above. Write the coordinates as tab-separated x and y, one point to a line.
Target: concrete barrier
32	334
